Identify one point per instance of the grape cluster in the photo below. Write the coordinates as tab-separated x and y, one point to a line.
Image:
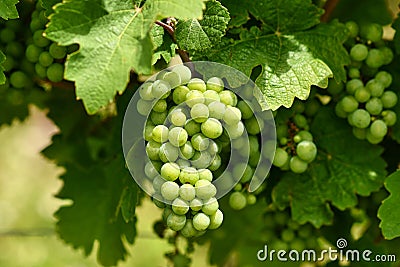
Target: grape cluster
366	101
188	131
295	146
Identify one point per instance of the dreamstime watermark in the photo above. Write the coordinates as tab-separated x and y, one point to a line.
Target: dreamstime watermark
311	255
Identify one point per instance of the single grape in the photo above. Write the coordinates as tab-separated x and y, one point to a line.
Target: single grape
228	98
183	163
280	158
287	235
187	192
389	99
216	220
160	133
374	106
372	139
189	175
168	152
353	85
232	115
372	32
303	136
178	118
157	117
200	142
359	52
251	199
39	39
177	136
153	150
19	79
32	53
176	222
210	96
186	151
354	73
360	118
236	131
335	88
297	165
188	231
184	73
353	29
212	128
205	174
237	201
300	120
384	78
201	221
378	129
215	84
216	110
150	170
253	125
312	107
196	204
170	190
194	97
210	206
201	160
306	150
375	87
387	55
197	84
179	94
57	52
245	109
160	89
360	133
389	117
375	58
180	206
172	78
362	95
143	107
145	91
205	189
160	106
349	103
170	171
192	127
55	72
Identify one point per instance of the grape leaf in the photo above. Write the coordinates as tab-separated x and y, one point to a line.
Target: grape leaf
334	177
293	52
396	38
48	6
8	9
389	212
113	39
2	75
199	35
163	45
237	11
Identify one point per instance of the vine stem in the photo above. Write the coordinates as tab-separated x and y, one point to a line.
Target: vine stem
329	7
171	31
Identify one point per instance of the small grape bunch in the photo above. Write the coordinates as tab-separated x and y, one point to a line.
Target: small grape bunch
367	101
188	132
295	146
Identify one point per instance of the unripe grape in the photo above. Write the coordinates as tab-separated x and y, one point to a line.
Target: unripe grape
216	110
232	115
303	136
19	79
145	91
237	201
168	152
160	133
153	150
177	136
216	220
362	95
360	118
188	230
176	222
197	84
205	174
160	89
172	78
189	175
32	53
253	126
179	94
354	73
387	55
210	206
389	117
236	131
186	151
297	165
205	189
170	171
228	98
374	106
170	190
194	97
372	32
55	72
187	192
353	29
375	58
160	106
373	139
180	206
375	87
212	128
385	78
184	73
389	99
57	52
199	112
349	104
378	129
353	85
157	118
335	88
215	84
360	133
359	52
306	150
210	96
39	39
201	221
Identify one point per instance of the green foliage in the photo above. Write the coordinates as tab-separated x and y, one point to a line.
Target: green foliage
114	39
396	39
8	9
389	210
2	76
164	46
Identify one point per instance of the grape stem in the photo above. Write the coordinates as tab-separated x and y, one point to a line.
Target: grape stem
171	31
329	7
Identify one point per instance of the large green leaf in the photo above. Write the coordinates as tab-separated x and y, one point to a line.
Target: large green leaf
345	167
2	76
114	38
8	9
292	50
389	211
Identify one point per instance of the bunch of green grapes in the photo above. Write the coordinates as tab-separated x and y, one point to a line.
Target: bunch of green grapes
188	131
295	146
47	57
366	101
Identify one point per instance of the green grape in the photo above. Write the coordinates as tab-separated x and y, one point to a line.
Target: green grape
378	129
39	39
160	106
177	136
374	106
201	160
201	221
178	118
237	201
186	151
189	175
335	88
354	73
172	78
212	128
170	190
179	94
300	120
176	222
372	139
184	73
9	63
210	206
145	91
183	163
216	110
170	171
389	117
251	199
57	52
287	235
168	152
297	165
142	106
236	131
157	117
187	192
216	220
353	29
349	104
153	150
7	35
312	107
210	96
298	106
353	85
384	78
160	89
387	55
205	174
280	158
372	32
15	49
228	98
375	87
359	52
200	142
166	212
245	109
360	118
197	84
194	97
232	115
213	148
196	204
362	95
150	170
205	189
375	58
19	79
303	136
360	133
160	133
389	99
306	150
253	126
215	84
32	53
55	72
188	231
180	206
192	127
